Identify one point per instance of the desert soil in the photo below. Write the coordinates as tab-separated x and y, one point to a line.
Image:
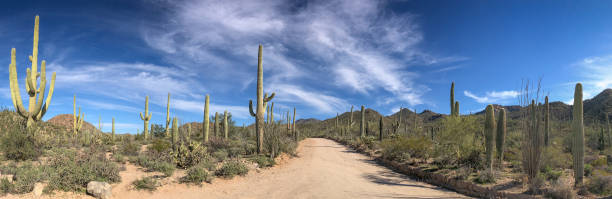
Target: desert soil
323	169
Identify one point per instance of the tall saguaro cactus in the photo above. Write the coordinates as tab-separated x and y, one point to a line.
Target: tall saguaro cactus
546	121
452	99
380	128
261	103
362	125
206	128
146	118
174	134
216	124
225	125
288	121
77	119
295	132
456	108
272	114
167	117
578	136
36	110
489	135
113	130
501	136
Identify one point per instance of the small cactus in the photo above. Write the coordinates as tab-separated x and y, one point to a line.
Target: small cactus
457	108
578	136
489	135
167	117
146	118
452	99
77	119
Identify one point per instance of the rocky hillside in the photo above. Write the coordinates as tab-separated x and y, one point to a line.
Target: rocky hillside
65	121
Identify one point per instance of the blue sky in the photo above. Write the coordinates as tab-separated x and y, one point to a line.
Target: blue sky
319	56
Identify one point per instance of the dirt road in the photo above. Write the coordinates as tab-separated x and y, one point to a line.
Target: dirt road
324	169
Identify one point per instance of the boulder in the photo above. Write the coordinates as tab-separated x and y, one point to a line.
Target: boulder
38	189
101	190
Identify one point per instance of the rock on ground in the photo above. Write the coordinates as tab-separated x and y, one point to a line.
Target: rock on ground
101	190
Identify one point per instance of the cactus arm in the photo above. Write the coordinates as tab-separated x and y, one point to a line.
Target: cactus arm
39	102
267	99
141	117
49	96
15	93
29	85
251	108
34	57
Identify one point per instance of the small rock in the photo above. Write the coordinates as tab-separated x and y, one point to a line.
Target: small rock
38	189
101	190
8	177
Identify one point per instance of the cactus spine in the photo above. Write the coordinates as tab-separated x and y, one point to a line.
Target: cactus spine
167	117
77	119
225	125
380	128
362	125
206	128
36	110
261	103
578	132
501	136
146	118
489	135
546	122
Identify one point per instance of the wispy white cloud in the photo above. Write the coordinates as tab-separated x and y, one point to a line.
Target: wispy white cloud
493	96
597	74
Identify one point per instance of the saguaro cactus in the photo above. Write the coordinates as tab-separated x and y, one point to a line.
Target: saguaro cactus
77	119
206	128
362	125
225	125
452	99
188	137
578	134
146	118
113	130
272	114
100	123
456	108
546	121
489	135
261	103
288	122
380	128
609	132
167	117
295	132
174	135
501	136
216	124
36	110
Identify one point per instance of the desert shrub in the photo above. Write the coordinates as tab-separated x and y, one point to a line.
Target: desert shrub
600	162
188	156
208	163
276	143
25	178
588	169
554	157
21	145
130	148
403	148
71	171
458	142
154	165
263	161
146	183
197	175
6	186
550	174
220	155
463	173
536	184
561	191
232	168
601	185
216	144
158	131
160	146
250	147
117	157
485	177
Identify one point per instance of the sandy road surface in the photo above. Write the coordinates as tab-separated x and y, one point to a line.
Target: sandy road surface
324	169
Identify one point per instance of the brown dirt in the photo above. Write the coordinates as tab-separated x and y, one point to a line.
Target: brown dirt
323	169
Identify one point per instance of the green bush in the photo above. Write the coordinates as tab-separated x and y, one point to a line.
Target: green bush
6	186
207	163
554	157
550	174
70	171
130	148
159	166
457	142
485	177
188	156
25	178
220	155
601	185
232	168
402	149
588	169
263	161
117	157
160	145
561	191
21	145
197	175
146	183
